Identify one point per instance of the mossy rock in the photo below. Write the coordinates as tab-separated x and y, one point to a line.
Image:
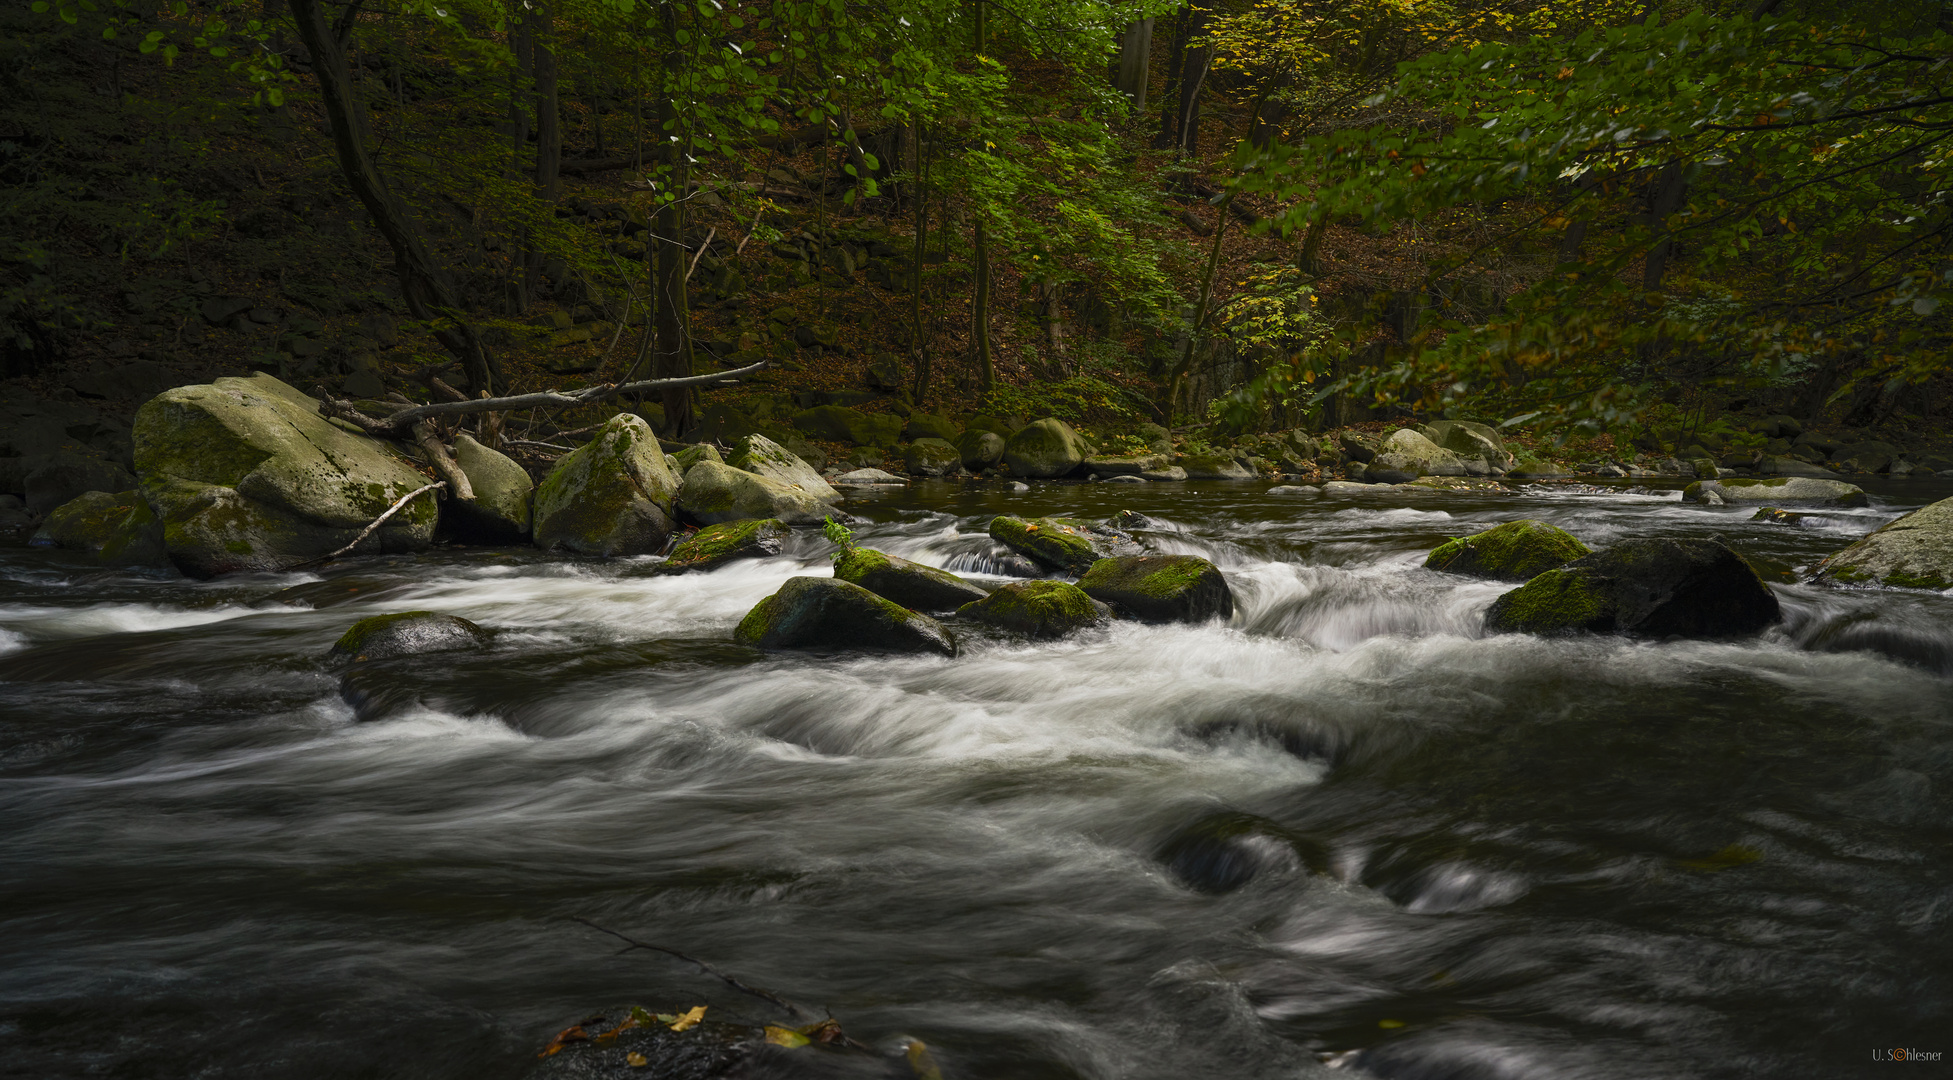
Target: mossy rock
1161	588
838	423
1061	543
1039	609
910	584
928	426
1777	490
1648	588
1914	552
612	496
694	454
729	541
980	449
407	633
1514	551
1210	467
1046	449
714	493
500	512
830	614
931	458
761	455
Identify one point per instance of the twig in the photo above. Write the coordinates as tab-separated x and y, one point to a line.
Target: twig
372	525
764	995
544	445
703	244
398	423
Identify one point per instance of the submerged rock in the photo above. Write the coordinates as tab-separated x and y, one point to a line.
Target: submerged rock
119	530
1161	588
1914	552
1650	588
1039	609
407	633
1061	543
1046	449
868	478
1785	489
729	541
244	474
713	493
1514	551
826	613
612	496
910	584
500	510
1224	851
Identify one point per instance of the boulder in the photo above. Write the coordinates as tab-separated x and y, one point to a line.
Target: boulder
612	496
1649	588
1357	446
980	449
1211	467
927	426
406	633
1784	465
714	492
838	423
118	529
1469	440
1789	489
1161	588
868	478
499	512
1125	466
1406	455
932	458
1172	474
759	454
1062	543
1514	551
60	477
1541	470
729	541
1039	609
1868	457
1294	489
693	454
1914	552
244	474
827	613
1046	449
912	585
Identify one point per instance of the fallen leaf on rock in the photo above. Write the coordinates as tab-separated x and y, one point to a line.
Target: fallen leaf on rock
637	1060
564	1038
921	1063
689	1020
787	1037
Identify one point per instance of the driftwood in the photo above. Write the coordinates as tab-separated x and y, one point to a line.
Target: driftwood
437	456
399	424
372	525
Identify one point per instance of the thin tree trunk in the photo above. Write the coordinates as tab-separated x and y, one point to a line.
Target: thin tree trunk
1180	370
918	345
1192	78
1170	101
1135	63
424	283
980	312
1311	260
1671	186
672	357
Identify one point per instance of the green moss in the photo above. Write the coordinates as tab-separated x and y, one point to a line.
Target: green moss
1057	543
1043	609
1554	602
1512	551
752	630
1900	579
726	542
858	563
1161	588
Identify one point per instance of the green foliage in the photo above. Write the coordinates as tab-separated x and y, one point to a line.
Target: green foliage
840	536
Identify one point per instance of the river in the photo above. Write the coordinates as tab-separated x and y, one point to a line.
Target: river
1442	854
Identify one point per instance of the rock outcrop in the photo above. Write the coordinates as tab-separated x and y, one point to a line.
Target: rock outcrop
1161	588
1914	552
612	496
500	511
759	454
1648	588
1775	491
1514	551
829	614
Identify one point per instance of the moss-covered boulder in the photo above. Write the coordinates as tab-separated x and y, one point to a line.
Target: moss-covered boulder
980	450
612	496
244	474
406	633
1407	455
1062	543
761	455
1046	449
1914	552
931	458
500	511
1468	440
930	426
1210	467
1126	466
1648	588
909	584
713	493
729	541
693	454
118	529
1514	551
1039	609
1161	588
838	423
829	614
1777	490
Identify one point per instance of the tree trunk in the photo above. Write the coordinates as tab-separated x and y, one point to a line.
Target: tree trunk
672	357
919	345
424	283
1670	187
1170	101
1180	370
1135	63
1310	261
1192	77
980	312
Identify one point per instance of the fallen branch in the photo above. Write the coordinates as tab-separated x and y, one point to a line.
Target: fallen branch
371	525
398	424
437	456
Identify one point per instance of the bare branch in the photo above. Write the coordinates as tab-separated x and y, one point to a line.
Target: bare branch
372	525
437	456
399	423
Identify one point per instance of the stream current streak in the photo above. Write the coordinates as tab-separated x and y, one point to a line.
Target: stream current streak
1471	856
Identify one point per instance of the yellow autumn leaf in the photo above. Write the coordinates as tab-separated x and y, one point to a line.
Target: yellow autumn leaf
921	1063
637	1060
780	1036
689	1020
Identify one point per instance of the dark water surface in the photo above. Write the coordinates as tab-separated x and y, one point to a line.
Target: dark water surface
1451	855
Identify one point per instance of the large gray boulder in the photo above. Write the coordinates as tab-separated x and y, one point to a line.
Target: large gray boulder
1407	455
406	633
1785	489
1208	467
1513	551
1648	588
761	455
1914	552
244	474
500	511
1469	439
828	614
713	493
612	496
1046	449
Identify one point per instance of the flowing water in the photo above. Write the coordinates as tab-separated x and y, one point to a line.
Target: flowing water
1346	831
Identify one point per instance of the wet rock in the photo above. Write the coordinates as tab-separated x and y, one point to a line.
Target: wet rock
910	584
1061	543
1172	474
931	458
713	493
1294	489
1468	440
1039	609
1357	446
614	1047
1126	480
1224	851
1126	466
1539	470
1775	516
729	541
980	450
612	496
406	633
244	474
1161	588
1211	467
500	512
1649	588
826	613
1130	519
119	529
1914	552
1514	551
1045	450
1790	489
868	478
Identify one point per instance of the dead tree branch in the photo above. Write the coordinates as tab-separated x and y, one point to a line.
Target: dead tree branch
372	525
437	456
